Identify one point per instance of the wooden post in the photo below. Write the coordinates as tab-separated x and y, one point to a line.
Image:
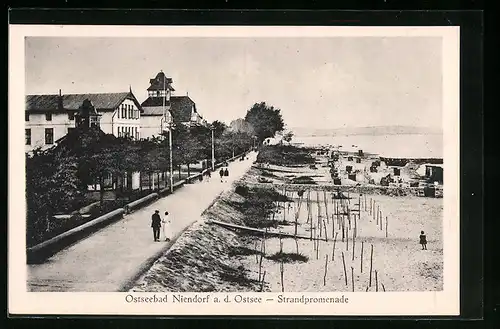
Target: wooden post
371	264
347	240
353	245
352	278
333	249
326	270
260	262
345	272
326	235
376	281
297	245
282	269
383	287
257	254
362	243
386	223
262	282
317	245
371	206
381	219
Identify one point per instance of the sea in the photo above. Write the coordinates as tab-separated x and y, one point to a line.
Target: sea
390	146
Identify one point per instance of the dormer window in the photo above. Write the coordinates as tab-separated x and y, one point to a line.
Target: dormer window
71	116
48	116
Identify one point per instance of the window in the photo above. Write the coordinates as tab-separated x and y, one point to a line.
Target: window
118	113
28	136
124	112
136	133
49	136
130	113
71	116
157	93
48	116
26	116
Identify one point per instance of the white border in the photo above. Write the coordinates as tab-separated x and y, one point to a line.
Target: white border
389	303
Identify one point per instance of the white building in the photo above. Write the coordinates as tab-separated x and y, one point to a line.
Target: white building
49	117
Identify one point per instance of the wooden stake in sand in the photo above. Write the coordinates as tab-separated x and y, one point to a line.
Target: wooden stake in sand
345	272
365	202
376	281
371	264
352	278
262	281
257	253
333	249
282	270
362	243
326	235
353	245
317	245
371	206
326	270
260	262
347	240
297	245
386	223
383	287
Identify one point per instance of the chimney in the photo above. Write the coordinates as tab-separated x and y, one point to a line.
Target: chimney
60	101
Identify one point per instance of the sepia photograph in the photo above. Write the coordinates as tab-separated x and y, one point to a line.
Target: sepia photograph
306	166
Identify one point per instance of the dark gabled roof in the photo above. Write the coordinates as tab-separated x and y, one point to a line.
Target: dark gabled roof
160	82
181	108
154	102
152	111
72	102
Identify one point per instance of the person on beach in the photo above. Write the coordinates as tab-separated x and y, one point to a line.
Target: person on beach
166	227
156	224
423	240
221	174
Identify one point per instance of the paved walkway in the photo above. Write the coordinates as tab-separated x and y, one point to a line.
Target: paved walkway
106	260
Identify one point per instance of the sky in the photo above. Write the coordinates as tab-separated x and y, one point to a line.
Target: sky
317	82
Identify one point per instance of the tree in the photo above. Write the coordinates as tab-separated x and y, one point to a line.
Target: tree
265	120
288	137
219	128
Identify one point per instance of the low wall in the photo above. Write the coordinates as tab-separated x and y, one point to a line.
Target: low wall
55	244
142	201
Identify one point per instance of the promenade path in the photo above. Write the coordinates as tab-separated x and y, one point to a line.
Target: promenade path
109	258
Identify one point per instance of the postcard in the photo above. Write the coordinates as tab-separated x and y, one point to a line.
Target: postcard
233	170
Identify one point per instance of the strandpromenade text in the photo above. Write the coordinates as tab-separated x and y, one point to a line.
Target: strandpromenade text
236	299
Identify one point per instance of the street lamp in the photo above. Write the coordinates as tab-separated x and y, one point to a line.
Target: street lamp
213	147
170	127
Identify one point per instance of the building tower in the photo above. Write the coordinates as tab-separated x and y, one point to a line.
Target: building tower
87	116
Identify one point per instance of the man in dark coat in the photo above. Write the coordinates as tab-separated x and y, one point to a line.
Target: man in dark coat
156	225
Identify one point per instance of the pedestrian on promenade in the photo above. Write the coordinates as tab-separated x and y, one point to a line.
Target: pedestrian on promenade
226	173
423	240
221	174
156	224
209	174
167	231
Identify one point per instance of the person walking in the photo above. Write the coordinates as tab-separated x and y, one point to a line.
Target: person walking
167	232
221	174
226	174
423	240
209	174
156	224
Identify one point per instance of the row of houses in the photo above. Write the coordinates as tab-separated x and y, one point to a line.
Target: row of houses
48	118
